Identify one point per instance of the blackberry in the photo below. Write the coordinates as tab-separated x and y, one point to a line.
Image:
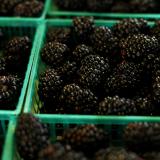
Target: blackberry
155	30
125	79
116	153
29	9
3	66
93	70
143	135
82	51
77	100
86	138
136	47
95	6
117	106
54	53
31	136
83	26
143	6
151	156
9	91
7	6
50	85
127	27
62	35
68	71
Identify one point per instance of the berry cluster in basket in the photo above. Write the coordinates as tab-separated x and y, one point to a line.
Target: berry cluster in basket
86	142
24	8
133	6
99	70
13	62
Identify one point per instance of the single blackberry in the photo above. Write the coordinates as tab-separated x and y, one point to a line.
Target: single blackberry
54	53
117	106
143	135
68	71
86	138
136	47
95	6
50	85
77	100
116	153
7	6
93	70
143	6
81	51
151	155
9	91
72	5
83	26
59	152
3	66
125	79
31	136
29	9
127	27
62	35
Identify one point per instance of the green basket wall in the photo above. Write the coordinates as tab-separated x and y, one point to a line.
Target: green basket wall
20	29
55	12
33	103
28	19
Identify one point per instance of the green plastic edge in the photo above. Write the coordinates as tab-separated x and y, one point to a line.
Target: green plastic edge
7	114
52	12
75	118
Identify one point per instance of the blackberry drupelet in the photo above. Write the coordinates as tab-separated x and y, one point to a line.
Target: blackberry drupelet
86	138
125	80
81	51
29	9
127	27
93	70
136	47
31	136
144	135
68	71
117	106
77	100
116	153
55	53
95	6
50	85
143	6
9	91
83	27
62	35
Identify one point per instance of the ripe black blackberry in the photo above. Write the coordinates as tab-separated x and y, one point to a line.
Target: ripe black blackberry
143	135
62	35
136	47
3	66
143	6
50	85
68	71
29	9
54	53
77	100
124	80
82	51
86	138
117	106
31	136
127	27
9	91
95	6
116	153
92	71
83	26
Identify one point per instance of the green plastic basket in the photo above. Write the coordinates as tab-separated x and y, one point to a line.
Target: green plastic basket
19	29
54	12
29	19
33	103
